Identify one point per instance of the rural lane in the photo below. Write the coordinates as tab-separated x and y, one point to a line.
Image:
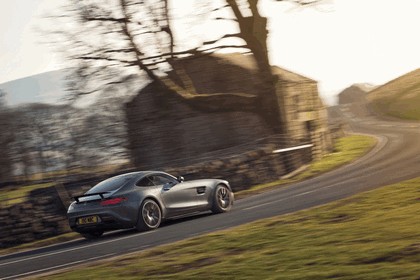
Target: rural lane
396	157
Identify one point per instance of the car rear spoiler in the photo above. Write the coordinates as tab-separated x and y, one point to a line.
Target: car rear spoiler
101	194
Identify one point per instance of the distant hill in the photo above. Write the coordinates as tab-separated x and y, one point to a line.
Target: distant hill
355	97
48	87
398	98
366	86
354	94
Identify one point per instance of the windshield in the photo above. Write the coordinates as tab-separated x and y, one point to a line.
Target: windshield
110	184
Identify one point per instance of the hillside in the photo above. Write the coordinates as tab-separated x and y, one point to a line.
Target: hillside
48	87
352	94
398	98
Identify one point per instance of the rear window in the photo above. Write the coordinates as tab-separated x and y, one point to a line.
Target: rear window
110	184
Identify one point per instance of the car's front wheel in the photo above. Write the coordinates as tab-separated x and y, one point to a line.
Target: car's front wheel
150	215
222	200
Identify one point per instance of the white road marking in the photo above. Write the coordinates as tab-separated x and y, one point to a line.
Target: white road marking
293	196
260	205
56	267
305	193
74	249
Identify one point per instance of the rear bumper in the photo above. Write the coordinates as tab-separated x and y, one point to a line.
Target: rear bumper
106	222
108	219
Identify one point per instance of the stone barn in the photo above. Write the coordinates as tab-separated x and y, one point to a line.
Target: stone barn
164	130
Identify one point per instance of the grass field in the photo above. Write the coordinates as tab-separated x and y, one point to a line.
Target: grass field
399	98
373	235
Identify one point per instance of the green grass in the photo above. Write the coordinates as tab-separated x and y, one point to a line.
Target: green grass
346	150
399	98
373	235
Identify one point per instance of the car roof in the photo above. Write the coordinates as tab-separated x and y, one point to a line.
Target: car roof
144	173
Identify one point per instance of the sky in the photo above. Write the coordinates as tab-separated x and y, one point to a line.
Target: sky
337	43
23	51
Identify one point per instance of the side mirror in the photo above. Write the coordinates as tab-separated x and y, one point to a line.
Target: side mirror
168	186
180	179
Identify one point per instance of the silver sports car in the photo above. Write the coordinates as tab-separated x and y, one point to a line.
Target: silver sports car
143	200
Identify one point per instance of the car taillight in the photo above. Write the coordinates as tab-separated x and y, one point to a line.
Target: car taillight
113	201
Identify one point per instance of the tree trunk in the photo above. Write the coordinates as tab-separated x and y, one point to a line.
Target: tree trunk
253	30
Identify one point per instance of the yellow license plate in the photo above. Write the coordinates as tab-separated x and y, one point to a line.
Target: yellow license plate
88	220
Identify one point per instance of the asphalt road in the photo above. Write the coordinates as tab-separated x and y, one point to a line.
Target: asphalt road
395	158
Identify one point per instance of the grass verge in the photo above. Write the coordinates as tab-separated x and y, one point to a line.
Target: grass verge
373	235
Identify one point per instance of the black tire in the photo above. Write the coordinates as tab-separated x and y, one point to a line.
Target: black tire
150	215
92	234
222	199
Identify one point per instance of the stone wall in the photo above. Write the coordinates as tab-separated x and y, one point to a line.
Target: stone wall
43	215
248	168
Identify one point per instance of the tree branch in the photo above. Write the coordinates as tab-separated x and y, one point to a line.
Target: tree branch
234	6
138	53
230	19
237	35
301	2
105	19
127	62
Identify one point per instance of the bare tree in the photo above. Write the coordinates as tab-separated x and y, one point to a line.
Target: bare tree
115	38
52	138
36	137
253	31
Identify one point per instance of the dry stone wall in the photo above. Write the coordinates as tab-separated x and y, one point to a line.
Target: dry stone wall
41	216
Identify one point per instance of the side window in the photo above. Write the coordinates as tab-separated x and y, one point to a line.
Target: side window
145	182
160	180
165	179
156	180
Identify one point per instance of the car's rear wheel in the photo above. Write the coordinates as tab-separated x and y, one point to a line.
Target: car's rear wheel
222	200
92	234
150	215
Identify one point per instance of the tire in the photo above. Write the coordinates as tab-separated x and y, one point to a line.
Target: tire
92	234
222	200
150	215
